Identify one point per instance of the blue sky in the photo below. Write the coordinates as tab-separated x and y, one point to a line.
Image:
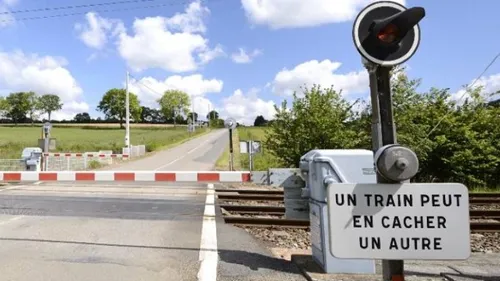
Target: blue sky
189	45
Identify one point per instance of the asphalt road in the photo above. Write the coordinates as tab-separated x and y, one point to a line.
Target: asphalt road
130	231
198	154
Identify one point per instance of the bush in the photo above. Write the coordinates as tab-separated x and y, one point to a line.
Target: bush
463	147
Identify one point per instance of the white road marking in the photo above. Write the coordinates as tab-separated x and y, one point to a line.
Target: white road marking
12	187
11	220
202	144
208	245
189	152
163	166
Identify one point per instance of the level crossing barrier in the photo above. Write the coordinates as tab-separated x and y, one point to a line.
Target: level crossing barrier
126	176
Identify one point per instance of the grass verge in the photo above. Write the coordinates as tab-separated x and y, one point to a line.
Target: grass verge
263	160
71	139
222	164
483	189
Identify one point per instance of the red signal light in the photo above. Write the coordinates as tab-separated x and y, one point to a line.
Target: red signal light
388	34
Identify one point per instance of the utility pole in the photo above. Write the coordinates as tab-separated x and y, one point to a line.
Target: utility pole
209	116
127	113
192	115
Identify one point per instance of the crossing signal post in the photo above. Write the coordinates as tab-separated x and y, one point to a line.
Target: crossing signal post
387	34
230	123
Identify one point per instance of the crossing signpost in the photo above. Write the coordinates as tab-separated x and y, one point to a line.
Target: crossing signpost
406	221
230	124
387	34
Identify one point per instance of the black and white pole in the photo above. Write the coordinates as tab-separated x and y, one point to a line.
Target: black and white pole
387	34
230	124
47	126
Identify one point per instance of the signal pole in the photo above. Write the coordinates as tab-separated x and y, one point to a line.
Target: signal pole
383	133
387	34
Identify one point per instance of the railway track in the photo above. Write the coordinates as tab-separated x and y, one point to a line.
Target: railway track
278	195
267	216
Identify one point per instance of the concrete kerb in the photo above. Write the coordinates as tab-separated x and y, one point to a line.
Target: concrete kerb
149	154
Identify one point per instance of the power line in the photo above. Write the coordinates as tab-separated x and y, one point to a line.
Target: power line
467	90
140	81
97	11
73	7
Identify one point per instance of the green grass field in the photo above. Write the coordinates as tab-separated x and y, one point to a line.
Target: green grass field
83	139
262	161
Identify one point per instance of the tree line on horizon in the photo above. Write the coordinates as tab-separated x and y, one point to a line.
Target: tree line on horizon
174	108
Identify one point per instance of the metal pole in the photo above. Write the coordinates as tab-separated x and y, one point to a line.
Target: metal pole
46	147
209	115
192	115
250	153
231	166
127	114
376	127
383	133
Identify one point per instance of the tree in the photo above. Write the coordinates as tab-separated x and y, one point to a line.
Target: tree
213	115
318	120
49	103
174	103
82	118
18	106
190	116
455	142
151	115
260	121
4	106
33	107
217	123
112	105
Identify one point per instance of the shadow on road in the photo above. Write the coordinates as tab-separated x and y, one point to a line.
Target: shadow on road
253	261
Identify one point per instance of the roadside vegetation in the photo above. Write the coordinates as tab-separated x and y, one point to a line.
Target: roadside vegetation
23	113
222	164
455	141
70	139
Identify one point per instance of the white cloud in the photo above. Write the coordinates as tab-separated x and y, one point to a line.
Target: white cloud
211	54
95	32
322	73
490	84
243	57
191	21
69	110
299	13
155	44
201	106
176	44
244	108
149	89
41	74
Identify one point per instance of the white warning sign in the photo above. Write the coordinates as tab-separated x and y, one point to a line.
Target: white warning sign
399	221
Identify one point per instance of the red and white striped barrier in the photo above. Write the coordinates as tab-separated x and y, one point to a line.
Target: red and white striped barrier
141	176
85	155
